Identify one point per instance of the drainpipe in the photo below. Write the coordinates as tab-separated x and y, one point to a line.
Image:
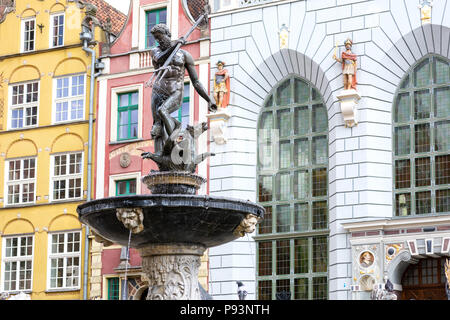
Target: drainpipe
86	37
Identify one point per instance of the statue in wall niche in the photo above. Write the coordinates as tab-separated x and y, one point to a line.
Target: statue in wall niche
167	81
349	65
90	19
221	85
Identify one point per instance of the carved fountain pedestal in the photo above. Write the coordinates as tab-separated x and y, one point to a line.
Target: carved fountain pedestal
172	270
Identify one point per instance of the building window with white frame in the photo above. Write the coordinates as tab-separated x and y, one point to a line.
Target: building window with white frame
21	182
126	113
57	30
125	184
64	260
153	17
69	98
29	34
24	105
17	263
67	171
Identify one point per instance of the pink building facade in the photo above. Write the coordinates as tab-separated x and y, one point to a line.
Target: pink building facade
125	120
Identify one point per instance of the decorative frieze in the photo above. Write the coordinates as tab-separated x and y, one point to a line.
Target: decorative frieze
366	269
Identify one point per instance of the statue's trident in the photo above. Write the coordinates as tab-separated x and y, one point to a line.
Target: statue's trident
159	73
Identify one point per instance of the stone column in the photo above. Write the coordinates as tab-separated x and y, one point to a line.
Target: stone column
172	270
96	270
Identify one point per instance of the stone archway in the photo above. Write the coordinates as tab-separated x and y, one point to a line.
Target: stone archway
407	274
398	266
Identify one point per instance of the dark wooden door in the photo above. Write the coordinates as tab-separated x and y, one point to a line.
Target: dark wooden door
424	293
424	280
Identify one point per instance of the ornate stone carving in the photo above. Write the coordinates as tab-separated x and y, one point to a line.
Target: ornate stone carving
248	225
349	106
132	218
172	271
366	283
391	251
125	160
366	259
366	269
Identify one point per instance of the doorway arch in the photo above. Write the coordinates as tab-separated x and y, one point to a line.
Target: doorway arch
424	280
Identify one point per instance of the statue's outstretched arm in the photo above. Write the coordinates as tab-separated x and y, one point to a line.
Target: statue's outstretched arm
190	67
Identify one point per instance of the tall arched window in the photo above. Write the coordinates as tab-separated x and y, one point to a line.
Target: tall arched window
292	174
421	131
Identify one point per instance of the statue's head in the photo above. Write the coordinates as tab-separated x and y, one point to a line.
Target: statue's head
161	33
220	65
348	43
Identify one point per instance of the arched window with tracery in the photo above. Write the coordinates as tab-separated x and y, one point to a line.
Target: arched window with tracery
292	175
421	131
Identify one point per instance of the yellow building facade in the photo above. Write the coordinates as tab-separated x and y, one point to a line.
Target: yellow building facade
44	140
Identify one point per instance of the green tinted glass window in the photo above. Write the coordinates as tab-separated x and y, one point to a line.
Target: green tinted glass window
154	17
293	188
128	116
126	187
113	289
421	127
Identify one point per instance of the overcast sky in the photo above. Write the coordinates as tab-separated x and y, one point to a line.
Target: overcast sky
121	5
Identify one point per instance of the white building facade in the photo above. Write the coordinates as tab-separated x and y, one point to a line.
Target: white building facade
347	206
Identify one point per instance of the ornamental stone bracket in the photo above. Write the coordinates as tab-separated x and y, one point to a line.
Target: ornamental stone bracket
349	106
218	125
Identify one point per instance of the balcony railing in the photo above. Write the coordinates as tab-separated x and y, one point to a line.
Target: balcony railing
145	61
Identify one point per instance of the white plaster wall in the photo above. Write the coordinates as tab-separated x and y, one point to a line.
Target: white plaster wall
388	38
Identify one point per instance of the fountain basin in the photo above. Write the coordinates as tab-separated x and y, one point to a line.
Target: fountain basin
170	218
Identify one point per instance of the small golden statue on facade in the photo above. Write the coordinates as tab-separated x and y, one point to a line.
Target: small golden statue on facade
221	86
349	65
425	11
